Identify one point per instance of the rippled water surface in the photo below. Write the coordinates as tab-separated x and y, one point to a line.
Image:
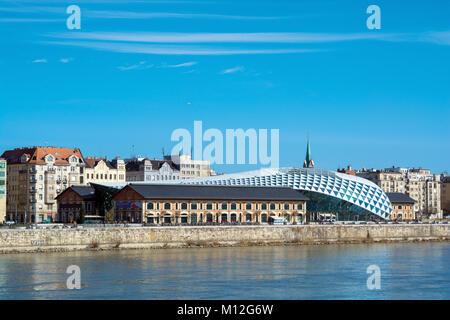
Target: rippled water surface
408	271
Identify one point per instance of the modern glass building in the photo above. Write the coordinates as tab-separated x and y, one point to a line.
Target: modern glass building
346	196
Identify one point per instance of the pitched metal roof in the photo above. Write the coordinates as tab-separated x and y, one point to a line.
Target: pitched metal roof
86	192
173	191
397	197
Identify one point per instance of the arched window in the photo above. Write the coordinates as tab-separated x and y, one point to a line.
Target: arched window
300	206
150	206
209	206
248	206
286	206
272	206
264	206
224	206
233	206
193	206
167	206
184	206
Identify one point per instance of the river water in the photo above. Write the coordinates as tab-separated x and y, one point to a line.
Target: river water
407	271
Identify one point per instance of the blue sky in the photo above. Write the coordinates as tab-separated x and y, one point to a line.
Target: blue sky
137	70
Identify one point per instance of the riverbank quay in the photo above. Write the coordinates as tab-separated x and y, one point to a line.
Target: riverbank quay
114	238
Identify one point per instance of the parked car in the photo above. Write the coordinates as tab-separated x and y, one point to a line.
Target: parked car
10	222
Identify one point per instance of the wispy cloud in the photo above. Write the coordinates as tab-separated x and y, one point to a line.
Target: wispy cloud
65	60
33	20
172	37
140	65
182	65
156	15
270	37
109	14
171	49
40	61
232	70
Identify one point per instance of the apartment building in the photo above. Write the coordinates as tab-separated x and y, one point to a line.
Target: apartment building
36	175
3	176
100	170
445	195
191	168
144	169
420	184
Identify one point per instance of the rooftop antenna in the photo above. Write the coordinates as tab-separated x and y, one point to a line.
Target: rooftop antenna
163	152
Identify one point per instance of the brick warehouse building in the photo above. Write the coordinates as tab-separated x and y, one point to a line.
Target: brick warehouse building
167	203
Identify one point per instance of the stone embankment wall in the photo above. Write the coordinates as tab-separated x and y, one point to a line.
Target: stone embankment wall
171	237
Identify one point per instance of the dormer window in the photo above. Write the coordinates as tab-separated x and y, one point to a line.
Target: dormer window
73	159
24	158
49	158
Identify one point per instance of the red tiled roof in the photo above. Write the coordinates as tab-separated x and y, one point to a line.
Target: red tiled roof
36	154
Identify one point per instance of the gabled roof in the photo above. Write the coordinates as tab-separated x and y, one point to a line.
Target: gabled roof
174	191
397	197
36	155
86	192
92	162
133	165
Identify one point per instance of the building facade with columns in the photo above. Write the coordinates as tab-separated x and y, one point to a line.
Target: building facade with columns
193	204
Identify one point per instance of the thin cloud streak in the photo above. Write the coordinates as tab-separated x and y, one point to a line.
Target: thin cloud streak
232	70
172	50
442	37
167	37
182	65
40	61
108	14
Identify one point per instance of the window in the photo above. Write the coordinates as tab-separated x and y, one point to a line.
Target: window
233	206
184	206
248	206
286	206
194	206
150	206
264	206
224	206
209	206
299	206
167	206
272	206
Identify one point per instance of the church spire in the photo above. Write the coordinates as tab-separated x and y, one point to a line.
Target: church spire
309	162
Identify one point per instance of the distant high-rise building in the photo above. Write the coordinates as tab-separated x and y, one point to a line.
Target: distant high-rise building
309	162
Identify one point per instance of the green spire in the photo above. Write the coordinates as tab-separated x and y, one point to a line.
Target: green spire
308	152
308	163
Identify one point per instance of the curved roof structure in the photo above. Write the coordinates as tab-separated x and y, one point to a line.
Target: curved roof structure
352	189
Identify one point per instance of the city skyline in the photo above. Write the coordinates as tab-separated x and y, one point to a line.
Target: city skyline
135	73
